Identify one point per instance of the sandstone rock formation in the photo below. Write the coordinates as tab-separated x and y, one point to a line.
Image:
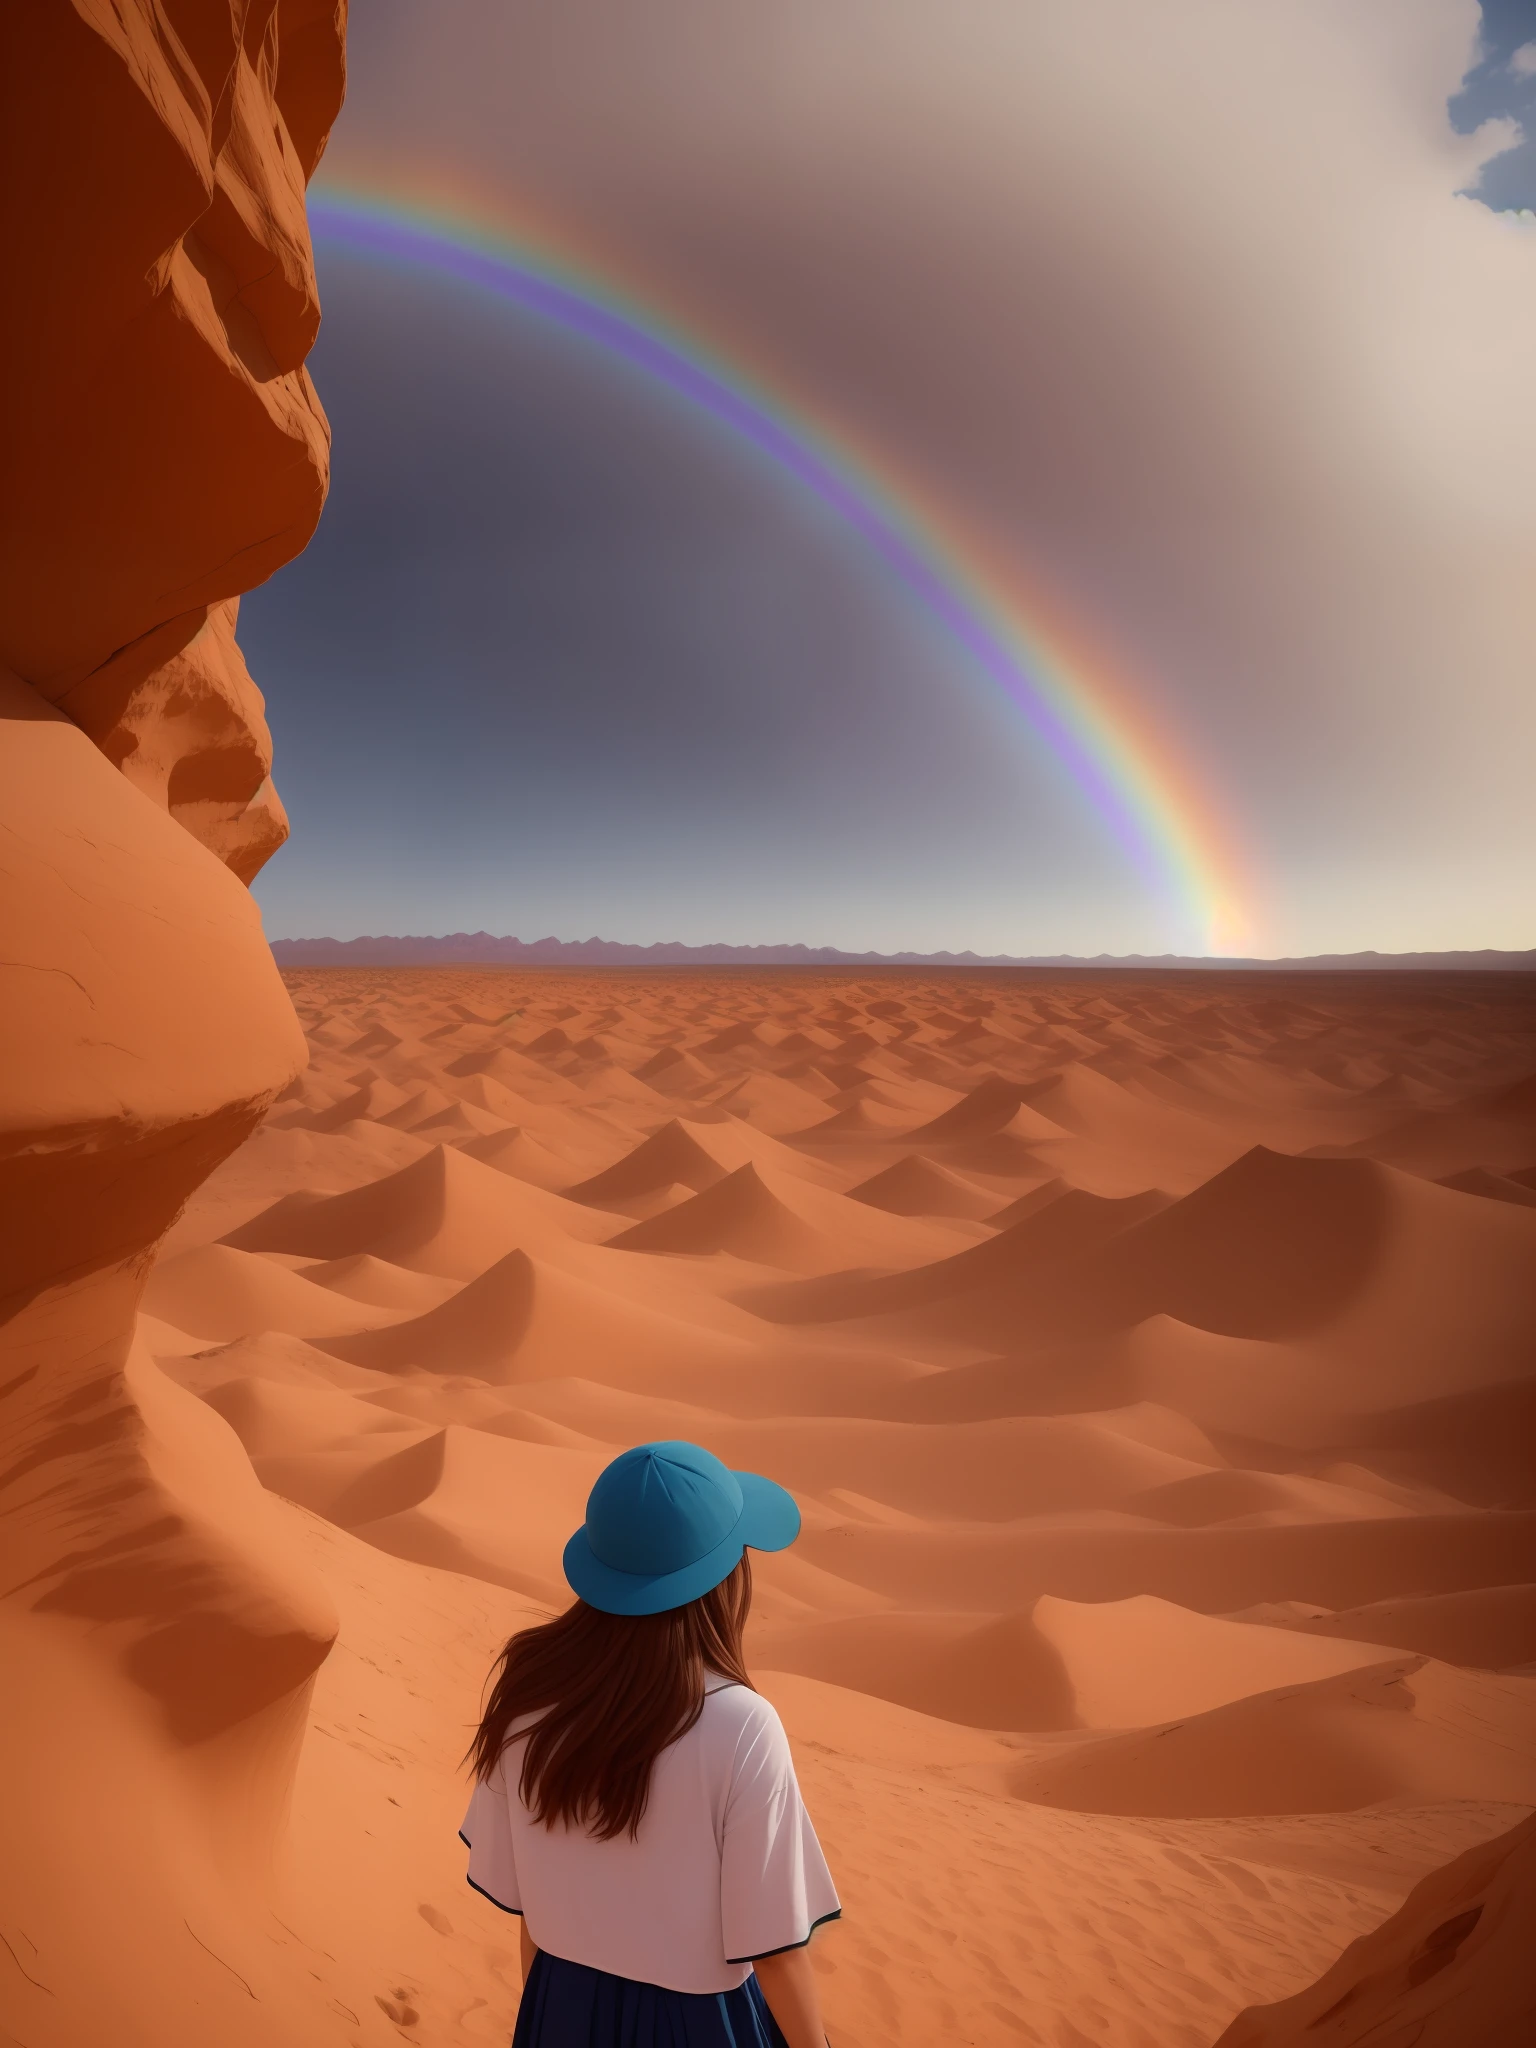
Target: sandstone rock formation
1450	1969
165	447
164	450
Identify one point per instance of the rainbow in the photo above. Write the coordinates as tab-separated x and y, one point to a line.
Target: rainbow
1145	794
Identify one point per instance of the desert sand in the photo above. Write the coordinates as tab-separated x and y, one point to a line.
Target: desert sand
1166	1609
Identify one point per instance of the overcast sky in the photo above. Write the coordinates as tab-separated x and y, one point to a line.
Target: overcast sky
1213	319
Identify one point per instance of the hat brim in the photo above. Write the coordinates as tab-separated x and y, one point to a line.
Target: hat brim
769	1521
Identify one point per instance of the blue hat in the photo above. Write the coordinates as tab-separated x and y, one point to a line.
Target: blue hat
666	1523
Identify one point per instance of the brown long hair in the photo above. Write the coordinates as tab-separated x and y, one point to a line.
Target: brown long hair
612	1691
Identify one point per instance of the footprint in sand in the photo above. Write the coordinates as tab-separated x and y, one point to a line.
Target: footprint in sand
397	2007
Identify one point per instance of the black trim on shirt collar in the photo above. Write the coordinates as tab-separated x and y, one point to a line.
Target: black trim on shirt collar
784	1951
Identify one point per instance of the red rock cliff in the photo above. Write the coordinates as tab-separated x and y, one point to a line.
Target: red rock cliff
164	450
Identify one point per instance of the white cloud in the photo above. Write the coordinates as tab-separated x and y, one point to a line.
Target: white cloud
1523	62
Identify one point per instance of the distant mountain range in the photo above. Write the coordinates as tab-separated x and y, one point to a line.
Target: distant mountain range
483	949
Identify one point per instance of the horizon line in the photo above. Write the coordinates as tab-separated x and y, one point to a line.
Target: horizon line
678	952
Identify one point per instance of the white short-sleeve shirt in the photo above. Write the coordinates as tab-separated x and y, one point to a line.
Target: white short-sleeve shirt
726	1866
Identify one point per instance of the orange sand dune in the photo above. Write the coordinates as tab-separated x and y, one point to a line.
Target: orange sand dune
771	1103
1028	1204
1003	1294
777	1219
362	1277
1024	1145
858	1118
273	1355
1276	1248
276	1161
994	1273
1256	1498
996	1673
1091	1106
991	1106
1411	1730
1451	1967
444	1214
1490	1626
695	1155
1067	1926
216	1291
425	1502
1341	1563
1144	1474
975	1473
1399	1273
1493	1129
277	1418
742	1214
1474	1444
1135	1662
522	1319
1115	1664
916	1186
519	1153
1497	1187
1293	1110
1422	1290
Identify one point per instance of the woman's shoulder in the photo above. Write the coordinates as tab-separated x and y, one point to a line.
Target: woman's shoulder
738	1711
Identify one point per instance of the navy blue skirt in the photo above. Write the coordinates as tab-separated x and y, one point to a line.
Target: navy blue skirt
566	2005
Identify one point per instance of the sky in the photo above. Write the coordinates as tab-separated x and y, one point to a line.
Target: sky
1206	330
